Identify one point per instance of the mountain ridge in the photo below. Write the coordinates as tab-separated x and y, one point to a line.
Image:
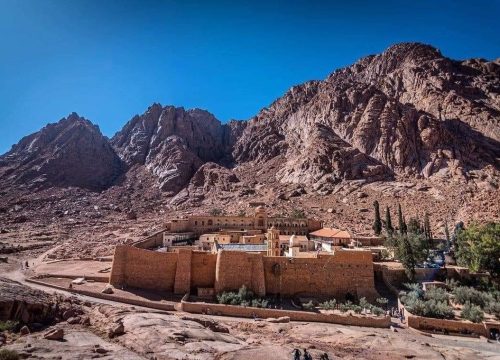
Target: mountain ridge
407	114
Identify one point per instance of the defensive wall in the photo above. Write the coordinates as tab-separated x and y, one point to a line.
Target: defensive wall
184	271
250	312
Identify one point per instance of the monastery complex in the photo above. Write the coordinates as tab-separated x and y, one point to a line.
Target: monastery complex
206	255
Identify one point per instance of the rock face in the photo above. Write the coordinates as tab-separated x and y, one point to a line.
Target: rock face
71	152
407	111
21	303
408	115
174	143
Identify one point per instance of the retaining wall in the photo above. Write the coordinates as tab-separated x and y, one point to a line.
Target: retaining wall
451	326
250	312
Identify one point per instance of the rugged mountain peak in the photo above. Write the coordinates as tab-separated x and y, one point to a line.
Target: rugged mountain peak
71	152
173	143
408	111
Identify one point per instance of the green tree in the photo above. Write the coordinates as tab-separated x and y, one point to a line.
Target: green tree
377	224
427	229
401	221
447	234
406	256
388	222
419	245
414	226
478	248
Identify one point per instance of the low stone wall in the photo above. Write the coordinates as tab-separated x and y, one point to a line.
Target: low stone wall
450	326
149	304
250	312
444	325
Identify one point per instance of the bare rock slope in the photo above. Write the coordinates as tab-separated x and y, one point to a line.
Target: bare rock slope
71	152
408	111
174	143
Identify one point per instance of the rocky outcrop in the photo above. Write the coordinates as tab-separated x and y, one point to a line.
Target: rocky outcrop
174	143
71	152
210	179
26	305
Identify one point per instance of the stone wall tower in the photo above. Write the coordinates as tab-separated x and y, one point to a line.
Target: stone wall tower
273	242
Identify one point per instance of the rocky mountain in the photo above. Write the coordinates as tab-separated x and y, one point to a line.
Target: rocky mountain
408	125
408	111
71	152
174	143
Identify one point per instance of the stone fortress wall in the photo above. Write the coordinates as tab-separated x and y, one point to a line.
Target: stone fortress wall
349	271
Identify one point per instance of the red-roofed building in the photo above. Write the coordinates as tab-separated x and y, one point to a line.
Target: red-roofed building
328	238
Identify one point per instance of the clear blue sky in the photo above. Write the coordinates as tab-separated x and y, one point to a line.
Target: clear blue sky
109	60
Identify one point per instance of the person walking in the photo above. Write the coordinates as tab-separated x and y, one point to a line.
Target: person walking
307	356
296	354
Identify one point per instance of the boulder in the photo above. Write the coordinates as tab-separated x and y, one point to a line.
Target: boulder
108	289
54	334
116	330
24	330
73	320
68	314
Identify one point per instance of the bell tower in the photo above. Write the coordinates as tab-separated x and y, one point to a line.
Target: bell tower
273	242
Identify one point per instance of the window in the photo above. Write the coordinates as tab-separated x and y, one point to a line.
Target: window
210	222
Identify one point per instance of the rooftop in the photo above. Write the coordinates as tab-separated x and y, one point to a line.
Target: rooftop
242	247
331	233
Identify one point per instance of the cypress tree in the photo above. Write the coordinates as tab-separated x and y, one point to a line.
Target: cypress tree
447	234
377	224
388	222
402	225
427	229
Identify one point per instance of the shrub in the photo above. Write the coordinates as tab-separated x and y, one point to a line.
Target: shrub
493	308
259	303
6	354
243	297
377	310
364	303
346	306
245	294
8	325
437	294
452	283
472	313
464	294
429	308
309	305
328	305
357	309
